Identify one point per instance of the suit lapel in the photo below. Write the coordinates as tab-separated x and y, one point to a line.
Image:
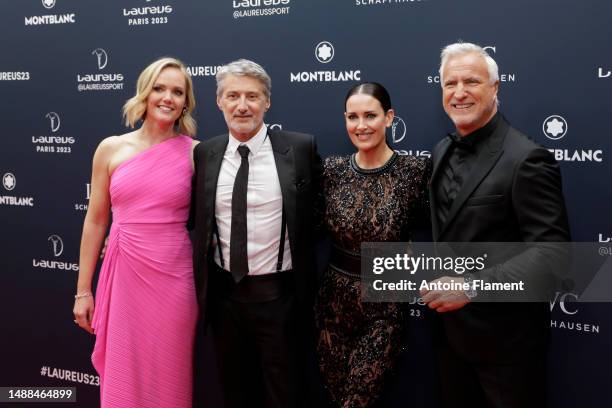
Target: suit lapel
485	162
439	154
285	169
213	167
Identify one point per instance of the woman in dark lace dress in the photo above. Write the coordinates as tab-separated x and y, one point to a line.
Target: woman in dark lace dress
373	195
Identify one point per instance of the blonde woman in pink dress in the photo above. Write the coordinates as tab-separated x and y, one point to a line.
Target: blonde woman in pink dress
145	309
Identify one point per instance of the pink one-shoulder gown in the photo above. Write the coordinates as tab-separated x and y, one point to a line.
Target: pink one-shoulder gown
146	309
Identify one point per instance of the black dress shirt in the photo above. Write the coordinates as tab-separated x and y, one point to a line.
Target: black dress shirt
457	165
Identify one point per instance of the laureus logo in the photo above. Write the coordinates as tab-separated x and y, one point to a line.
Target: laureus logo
102	57
48	4
9	181
324	52
554	127
398	129
100	81
54	121
57	245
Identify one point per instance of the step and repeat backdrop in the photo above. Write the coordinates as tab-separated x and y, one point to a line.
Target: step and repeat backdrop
67	67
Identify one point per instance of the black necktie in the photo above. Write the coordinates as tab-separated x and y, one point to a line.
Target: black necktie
239	264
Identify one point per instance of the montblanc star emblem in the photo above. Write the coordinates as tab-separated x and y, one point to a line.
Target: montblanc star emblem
9	181
554	127
324	51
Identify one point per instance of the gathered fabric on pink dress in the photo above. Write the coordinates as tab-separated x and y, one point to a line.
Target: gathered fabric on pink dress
146	310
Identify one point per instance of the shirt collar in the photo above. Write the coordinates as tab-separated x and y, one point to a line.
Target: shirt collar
476	136
254	143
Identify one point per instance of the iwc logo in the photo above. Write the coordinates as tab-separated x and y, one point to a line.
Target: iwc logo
324	52
491	50
9	181
57	245
554	127
565	305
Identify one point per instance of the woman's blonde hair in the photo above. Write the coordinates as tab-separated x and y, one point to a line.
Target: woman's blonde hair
135	108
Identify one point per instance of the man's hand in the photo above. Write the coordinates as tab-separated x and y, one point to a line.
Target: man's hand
445	300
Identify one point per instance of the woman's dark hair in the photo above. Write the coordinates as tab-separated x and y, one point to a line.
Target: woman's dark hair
375	90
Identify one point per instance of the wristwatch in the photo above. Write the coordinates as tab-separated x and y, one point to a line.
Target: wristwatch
471	292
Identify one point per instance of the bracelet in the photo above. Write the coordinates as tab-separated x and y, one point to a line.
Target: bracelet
82	295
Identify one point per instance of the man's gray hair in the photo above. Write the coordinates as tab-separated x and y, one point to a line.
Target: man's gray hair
460	48
244	67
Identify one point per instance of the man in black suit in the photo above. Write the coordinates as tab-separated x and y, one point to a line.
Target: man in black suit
254	198
491	183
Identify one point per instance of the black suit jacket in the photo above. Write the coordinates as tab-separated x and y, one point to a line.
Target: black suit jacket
298	168
513	194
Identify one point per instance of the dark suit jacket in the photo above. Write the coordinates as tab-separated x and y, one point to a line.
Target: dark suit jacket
513	194
298	168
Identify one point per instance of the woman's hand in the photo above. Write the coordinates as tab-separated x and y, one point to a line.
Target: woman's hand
83	312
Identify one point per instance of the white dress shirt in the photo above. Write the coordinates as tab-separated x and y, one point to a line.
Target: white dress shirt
264	205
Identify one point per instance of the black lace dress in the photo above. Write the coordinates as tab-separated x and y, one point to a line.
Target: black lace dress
358	342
